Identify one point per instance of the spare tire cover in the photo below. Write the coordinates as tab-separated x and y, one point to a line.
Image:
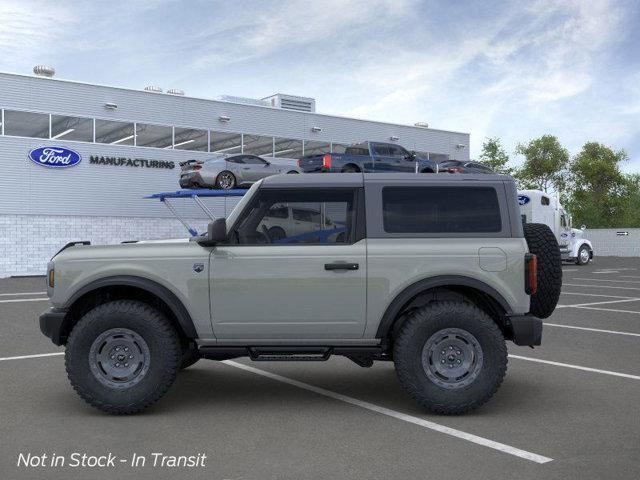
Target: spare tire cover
543	244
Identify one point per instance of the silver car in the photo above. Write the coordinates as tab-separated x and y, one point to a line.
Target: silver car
231	171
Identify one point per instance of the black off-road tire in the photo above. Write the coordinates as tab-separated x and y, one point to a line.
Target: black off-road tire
164	352
414	336
190	356
542	242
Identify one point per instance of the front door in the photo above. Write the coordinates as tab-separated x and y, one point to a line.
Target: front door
275	280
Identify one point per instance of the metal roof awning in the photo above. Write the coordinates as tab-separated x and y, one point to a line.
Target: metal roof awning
194	194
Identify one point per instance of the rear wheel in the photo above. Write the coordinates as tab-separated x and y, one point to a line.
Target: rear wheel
542	242
450	357
225	180
122	356
583	255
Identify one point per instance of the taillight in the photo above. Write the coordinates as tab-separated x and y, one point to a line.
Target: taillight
455	170
196	167
326	161
530	274
298	162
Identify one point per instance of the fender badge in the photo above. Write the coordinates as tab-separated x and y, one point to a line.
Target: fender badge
198	267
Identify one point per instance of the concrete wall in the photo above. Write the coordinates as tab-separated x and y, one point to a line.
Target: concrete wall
609	242
27	242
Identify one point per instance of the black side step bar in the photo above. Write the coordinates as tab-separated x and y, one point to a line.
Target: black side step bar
293	353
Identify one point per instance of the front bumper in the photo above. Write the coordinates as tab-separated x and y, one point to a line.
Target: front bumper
51	324
527	330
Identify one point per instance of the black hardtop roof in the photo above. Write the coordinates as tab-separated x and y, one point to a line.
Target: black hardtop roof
338	180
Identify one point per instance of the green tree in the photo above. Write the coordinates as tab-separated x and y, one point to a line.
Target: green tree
631	209
599	190
494	156
545	164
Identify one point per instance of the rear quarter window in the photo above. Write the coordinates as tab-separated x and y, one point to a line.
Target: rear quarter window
441	210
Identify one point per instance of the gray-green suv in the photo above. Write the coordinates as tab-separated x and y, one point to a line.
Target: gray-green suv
431	272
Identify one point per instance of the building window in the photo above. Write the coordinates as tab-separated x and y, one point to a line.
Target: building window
338	147
441	210
287	148
114	133
258	145
26	124
157	136
72	128
190	139
224	142
312	147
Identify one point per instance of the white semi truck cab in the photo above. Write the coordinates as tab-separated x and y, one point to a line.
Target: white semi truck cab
537	206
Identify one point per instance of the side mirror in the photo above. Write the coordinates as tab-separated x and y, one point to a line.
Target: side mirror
216	232
583	227
267	163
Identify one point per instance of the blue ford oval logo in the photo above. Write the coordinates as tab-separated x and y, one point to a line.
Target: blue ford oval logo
523	200
56	157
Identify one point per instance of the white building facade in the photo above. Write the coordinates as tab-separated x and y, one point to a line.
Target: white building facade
129	144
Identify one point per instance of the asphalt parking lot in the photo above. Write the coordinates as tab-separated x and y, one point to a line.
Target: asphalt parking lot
569	409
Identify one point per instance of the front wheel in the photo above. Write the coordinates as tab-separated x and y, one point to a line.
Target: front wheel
450	357
122	356
584	256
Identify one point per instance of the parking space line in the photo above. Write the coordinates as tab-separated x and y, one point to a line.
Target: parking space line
628	276
23	357
598	303
576	367
606	280
21	293
610	310
599	330
600	286
16	300
594	295
485	442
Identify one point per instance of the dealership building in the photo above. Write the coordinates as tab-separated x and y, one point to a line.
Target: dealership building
128	144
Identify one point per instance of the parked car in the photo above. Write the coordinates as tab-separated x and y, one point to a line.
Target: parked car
405	282
231	171
462	166
369	157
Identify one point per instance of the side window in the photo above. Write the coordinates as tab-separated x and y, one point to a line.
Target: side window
381	149
318	217
544	200
253	160
235	160
563	220
441	210
397	151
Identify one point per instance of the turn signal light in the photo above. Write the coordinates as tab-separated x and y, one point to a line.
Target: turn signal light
51	278
530	274
326	161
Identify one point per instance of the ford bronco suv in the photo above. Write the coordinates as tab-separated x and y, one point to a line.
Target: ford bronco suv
431	272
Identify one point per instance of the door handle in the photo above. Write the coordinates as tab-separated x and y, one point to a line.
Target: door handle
341	266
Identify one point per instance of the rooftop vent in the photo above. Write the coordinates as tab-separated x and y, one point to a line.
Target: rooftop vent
422	124
244	100
44	71
175	91
292	102
153	88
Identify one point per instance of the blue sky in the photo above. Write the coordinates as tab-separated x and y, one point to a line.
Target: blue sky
515	70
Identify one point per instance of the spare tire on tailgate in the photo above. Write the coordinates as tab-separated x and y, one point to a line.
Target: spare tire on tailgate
543	244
